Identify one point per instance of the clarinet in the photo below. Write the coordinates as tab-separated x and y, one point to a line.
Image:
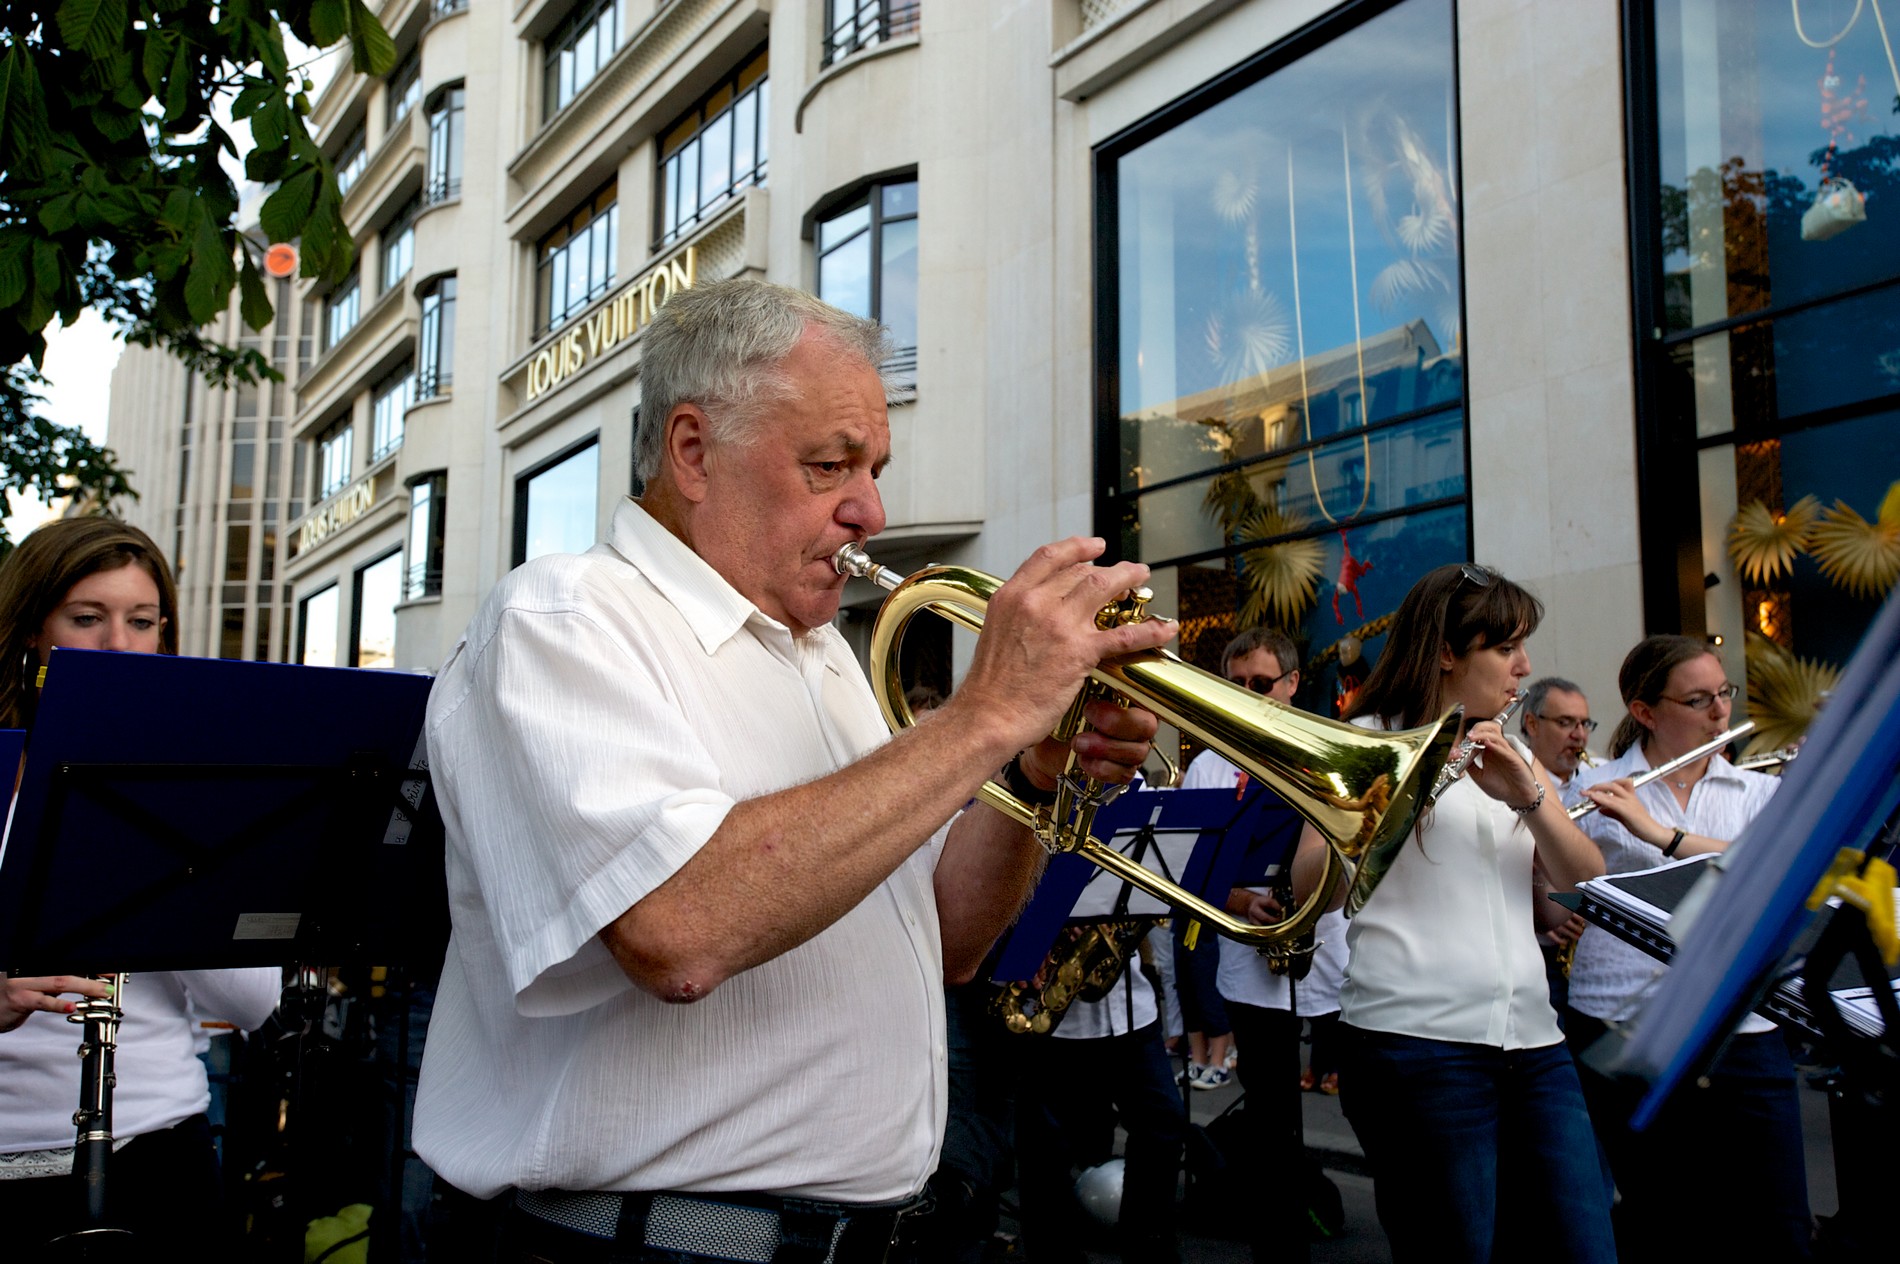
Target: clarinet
1455	766
99	1020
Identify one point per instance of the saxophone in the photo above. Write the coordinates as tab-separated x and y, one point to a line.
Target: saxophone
1084	963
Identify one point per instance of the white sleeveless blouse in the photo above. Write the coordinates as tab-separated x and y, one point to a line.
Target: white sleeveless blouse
1446	949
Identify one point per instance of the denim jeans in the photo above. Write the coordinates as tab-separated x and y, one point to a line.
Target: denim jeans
1477	1153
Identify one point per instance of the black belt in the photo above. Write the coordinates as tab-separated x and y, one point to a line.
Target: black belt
746	1228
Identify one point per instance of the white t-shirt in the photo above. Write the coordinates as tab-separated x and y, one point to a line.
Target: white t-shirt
602	714
1244	976
1446	948
1609	979
160	1080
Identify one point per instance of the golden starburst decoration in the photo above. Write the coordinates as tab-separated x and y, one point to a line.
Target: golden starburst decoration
1281	580
1784	693
1861	556
1763	544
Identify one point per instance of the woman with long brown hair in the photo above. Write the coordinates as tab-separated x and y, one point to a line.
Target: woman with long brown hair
1453	1070
1736	1137
68	584
100	584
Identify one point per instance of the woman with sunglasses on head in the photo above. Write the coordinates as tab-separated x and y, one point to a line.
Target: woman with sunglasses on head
1737	1140
1453	1070
99	584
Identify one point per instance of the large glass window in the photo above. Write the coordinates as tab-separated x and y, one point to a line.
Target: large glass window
1283	437
716	149
334	450
854	24
341	310
399	245
867	264
576	51
437	372
317	628
1773	280
575	263
423	563
405	88
351	161
378	588
446	113
556	505
393	396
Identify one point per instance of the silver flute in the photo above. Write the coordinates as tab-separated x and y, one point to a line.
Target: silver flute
1664	769
1467	750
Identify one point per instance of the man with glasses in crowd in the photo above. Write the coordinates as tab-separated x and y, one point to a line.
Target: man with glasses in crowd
1264	1008
1557	727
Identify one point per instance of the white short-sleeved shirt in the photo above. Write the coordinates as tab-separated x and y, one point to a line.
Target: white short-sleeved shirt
1609	979
1243	975
1446	948
602	714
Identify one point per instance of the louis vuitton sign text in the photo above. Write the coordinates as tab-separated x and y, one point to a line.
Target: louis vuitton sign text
613	321
339	513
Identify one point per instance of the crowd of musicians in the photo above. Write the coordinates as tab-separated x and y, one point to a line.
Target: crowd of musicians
716	987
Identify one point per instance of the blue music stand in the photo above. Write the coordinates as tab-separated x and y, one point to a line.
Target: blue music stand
1235	842
181	813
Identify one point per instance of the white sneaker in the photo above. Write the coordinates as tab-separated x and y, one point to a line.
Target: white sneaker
1210	1077
1233	1056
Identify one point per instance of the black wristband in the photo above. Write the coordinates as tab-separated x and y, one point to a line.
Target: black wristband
1675	841
1017	782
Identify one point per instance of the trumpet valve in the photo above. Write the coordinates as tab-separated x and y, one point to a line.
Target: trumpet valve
1131	608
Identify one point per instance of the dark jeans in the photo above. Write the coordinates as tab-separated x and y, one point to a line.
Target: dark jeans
1734	1145
163	1186
1064	1083
1196	974
1269	1069
1324	1033
1477	1153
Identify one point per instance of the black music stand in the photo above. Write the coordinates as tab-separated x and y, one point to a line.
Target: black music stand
195	814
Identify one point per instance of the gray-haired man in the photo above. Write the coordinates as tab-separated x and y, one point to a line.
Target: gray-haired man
665	781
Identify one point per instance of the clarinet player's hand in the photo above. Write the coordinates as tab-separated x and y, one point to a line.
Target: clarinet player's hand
42	994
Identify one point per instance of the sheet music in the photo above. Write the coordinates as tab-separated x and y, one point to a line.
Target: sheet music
1649	897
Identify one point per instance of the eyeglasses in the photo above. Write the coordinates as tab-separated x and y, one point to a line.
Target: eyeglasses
1259	684
1702	701
1482	576
1567	722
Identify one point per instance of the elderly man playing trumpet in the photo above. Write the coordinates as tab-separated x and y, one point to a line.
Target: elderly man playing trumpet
689	870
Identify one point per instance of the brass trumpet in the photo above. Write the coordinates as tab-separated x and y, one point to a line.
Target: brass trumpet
1361	789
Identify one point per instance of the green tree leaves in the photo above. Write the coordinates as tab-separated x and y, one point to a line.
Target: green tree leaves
112	194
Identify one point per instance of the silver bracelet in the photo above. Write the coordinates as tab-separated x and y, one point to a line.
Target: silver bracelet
1533	805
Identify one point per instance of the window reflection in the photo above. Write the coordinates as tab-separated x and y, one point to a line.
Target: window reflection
555	506
1287	288
316	629
378	589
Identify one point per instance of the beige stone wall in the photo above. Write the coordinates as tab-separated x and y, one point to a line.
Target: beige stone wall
1547	321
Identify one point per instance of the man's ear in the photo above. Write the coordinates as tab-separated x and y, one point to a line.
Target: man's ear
686	448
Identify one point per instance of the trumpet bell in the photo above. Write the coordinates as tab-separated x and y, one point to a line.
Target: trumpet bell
1362	789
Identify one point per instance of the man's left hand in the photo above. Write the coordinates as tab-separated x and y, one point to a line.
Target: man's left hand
1111	748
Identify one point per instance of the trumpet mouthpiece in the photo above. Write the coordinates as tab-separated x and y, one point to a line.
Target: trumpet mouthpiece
851	559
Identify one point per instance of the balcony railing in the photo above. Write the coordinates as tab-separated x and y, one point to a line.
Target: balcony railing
860	24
